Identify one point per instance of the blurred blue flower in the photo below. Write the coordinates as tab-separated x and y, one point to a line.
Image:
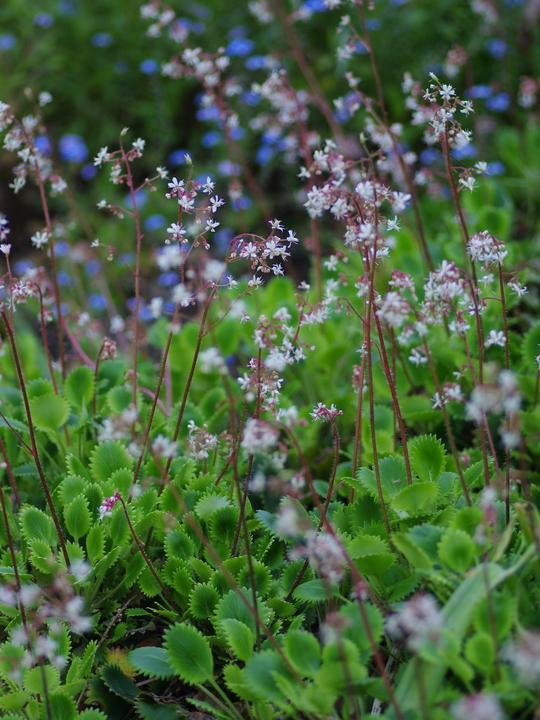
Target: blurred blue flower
88	171
64	279
167	279
264	154
240	47
498	103
44	20
198	28
102	39
314	5
149	67
43	144
68	7
237	133
479	91
208	113
7	41
168	307
126	259
211	138
154	222
242	204
514	3
496	47
428	156
177	157
97	302
397	3
22	266
496	168
373	24
222	239
227	168
61	248
256	62
92	268
461	153
72	148
141	197
250	98
146	313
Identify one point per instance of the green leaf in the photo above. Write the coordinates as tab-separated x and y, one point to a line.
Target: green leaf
78	517
209	504
416	556
106	458
503	611
203	601
36	525
480	651
427	457
313	591
239	638
119	398
91	714
151	661
260	674
156	711
303	651
62	706
457	550
79	387
38	387
33	680
417	499
95	543
119	683
189	653
49	412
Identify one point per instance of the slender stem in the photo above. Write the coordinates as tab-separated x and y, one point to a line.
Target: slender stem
506	367
34	451
13	560
10	473
147	559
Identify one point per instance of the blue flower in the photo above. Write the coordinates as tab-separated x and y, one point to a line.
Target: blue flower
102	39
428	156
314	6
264	154
97	302
250	98
177	157
154	222
373	24
88	171
92	268
44	20
149	67
496	47
468	151
237	133
43	144
208	113
256	62
209	139
167	279
64	279
240	47
479	91
499	103
72	148
7	41
61	248
496	168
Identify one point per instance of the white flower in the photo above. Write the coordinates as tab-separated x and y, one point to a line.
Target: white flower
102	155
40	239
495	337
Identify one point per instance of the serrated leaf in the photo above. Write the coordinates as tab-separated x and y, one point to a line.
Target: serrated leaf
62	706
208	504
303	651
260	674
152	661
71	487
203	601
416	556
314	591
119	683
189	653
38	387
529	346
156	711
428	457
106	458
239	638
36	525
91	714
119	399
95	543
457	550
33	680
78	517
501	610
417	499
79	387
49	412
480	651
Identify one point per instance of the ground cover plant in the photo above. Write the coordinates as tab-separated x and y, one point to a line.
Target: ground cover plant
269	403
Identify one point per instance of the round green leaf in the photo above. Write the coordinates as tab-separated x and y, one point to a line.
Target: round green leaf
79	386
189	653
49	412
239	637
78	517
151	661
417	499
457	550
304	652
